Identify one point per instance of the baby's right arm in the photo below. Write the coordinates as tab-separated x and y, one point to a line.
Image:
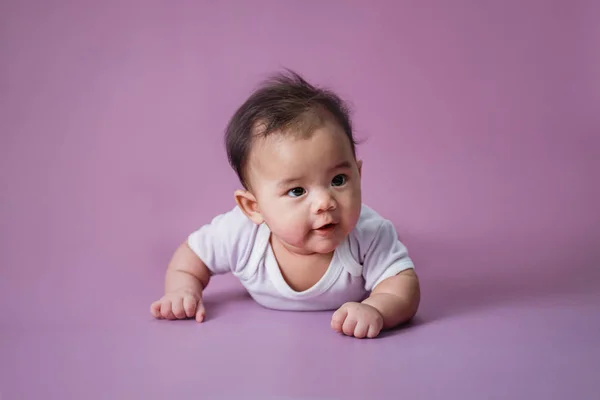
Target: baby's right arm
185	279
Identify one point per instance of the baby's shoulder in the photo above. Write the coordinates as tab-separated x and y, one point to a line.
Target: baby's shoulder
372	228
234	226
234	217
369	223
226	242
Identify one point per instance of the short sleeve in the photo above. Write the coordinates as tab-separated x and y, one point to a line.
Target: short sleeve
385	256
223	244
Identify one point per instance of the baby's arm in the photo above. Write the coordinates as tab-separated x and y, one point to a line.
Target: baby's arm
185	279
393	301
396	298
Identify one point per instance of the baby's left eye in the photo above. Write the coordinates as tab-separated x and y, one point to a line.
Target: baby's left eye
338	180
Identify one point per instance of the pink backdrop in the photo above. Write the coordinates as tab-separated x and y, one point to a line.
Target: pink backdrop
480	125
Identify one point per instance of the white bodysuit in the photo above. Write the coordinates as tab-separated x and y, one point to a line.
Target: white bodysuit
231	242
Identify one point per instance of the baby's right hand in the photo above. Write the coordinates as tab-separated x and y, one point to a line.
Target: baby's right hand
179	305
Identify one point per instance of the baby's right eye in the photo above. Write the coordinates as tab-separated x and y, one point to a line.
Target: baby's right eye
296	192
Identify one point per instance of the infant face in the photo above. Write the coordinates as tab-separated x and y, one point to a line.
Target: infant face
307	188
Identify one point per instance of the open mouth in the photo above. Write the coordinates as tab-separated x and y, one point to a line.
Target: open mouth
326	229
327	226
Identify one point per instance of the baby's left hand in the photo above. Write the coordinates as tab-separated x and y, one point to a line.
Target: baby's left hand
358	320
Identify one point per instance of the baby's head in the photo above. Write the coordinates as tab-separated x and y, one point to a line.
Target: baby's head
292	147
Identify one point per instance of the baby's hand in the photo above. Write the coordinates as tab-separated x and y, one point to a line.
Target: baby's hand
179	305
357	319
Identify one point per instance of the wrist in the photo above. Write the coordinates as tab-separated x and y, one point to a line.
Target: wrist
186	290
379	300
394	309
372	304
183	282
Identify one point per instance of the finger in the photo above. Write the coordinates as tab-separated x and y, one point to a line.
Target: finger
340	314
349	325
373	331
361	329
201	312
338	318
189	305
155	309
177	308
165	309
336	325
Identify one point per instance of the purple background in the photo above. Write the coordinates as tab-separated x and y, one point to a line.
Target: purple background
481	142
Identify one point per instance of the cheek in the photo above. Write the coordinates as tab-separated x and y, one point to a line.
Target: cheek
284	220
289	231
350	201
351	205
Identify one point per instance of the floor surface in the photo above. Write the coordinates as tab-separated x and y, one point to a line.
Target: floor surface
542	347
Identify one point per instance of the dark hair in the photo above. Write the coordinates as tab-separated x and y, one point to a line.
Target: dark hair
284	103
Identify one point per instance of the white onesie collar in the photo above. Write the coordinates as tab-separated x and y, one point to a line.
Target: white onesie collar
327	280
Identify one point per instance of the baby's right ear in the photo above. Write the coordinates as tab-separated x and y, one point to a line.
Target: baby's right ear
249	206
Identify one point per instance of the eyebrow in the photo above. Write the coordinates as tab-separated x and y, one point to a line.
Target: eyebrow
289	181
343	164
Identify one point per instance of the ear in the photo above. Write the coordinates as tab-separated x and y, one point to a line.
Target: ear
249	206
359	163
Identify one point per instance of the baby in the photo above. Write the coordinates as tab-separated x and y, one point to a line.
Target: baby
299	237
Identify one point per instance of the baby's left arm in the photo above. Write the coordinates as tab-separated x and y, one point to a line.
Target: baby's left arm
389	276
396	298
392	302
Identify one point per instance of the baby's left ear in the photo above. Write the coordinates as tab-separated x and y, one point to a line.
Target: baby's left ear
359	163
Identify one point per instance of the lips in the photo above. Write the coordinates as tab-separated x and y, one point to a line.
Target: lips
327	224
325	230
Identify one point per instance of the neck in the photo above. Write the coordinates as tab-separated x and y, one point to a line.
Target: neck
293	251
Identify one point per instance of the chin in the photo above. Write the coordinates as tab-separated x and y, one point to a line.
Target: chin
326	248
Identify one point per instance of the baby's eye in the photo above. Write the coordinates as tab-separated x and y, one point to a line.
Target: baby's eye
296	192
338	180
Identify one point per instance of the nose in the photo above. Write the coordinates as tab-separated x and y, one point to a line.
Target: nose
324	201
